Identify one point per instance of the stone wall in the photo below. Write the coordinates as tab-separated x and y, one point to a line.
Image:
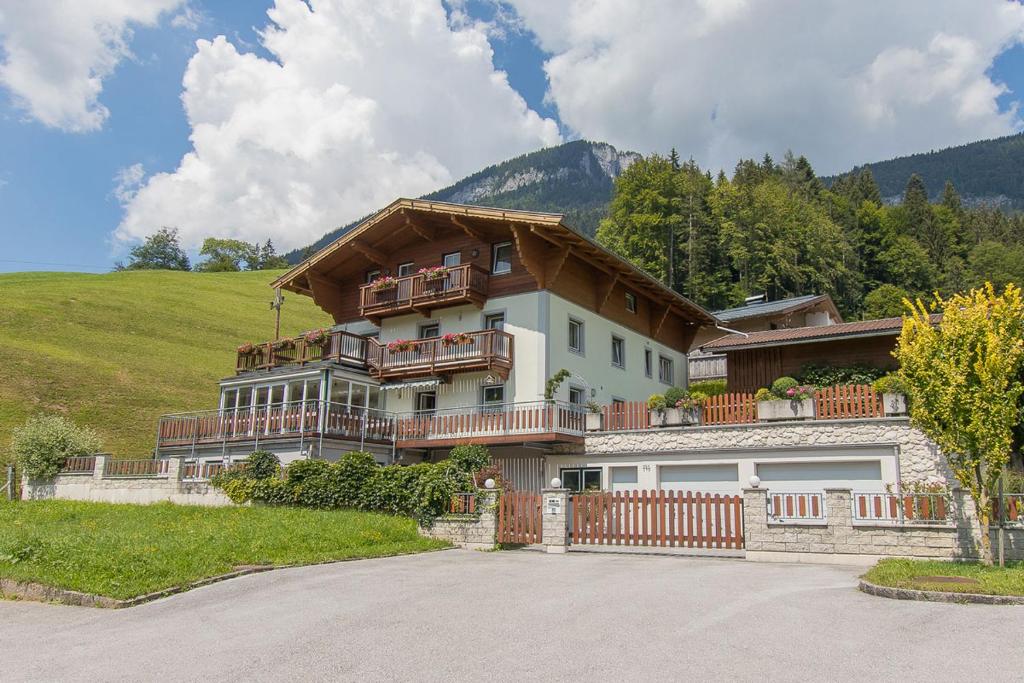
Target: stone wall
140	490
474	531
839	536
919	457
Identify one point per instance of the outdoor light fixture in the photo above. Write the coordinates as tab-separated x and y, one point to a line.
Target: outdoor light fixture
755	481
556	483
489	484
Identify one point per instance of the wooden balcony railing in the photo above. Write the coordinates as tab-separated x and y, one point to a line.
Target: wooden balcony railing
535	420
485	350
342	347
415	293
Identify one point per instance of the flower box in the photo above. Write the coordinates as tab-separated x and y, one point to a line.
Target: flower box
894	404
594	422
796	409
456	339
689	416
247	349
316	337
434	274
401	346
384	284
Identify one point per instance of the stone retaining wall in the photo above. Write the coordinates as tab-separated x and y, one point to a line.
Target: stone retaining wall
839	536
140	490
476	531
919	457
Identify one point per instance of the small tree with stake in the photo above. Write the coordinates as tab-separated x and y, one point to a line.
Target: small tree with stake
964	379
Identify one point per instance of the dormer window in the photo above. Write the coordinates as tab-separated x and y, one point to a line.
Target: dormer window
502	258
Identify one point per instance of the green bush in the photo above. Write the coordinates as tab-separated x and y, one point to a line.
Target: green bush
656	402
782	385
301	470
889	384
261	465
829	376
353	470
469	458
44	442
674	395
708	387
764	394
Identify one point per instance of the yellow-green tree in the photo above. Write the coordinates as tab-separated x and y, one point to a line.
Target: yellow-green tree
964	379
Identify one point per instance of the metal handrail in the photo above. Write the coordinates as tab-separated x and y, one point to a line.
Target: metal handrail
902	507
789	505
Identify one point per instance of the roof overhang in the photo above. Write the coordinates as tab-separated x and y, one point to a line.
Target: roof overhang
803	340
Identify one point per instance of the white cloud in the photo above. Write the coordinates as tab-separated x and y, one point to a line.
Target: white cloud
189	18
842	82
127	182
56	54
363	102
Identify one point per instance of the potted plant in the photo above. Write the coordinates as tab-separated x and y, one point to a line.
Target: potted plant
455	339
433	273
384	284
656	404
786	400
894	394
317	337
246	349
400	346
689	408
283	344
594	418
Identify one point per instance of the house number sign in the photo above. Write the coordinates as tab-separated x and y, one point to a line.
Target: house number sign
553	505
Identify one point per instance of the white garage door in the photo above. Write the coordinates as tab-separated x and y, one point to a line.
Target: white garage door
702	478
861	475
624	479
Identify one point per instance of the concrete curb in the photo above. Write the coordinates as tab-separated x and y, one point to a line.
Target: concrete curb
938	596
40	592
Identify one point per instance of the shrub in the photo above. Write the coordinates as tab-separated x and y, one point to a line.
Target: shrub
782	385
389	490
674	395
708	387
828	375
261	465
764	394
491	471
656	402
889	384
301	470
43	443
352	471
272	491
469	458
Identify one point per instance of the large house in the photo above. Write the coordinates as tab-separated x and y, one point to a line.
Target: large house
450	322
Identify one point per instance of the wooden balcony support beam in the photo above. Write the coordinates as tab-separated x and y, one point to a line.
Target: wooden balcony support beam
532	253
658	318
427	232
603	291
326	294
468	229
372	253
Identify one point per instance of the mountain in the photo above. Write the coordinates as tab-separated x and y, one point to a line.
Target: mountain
574	179
116	351
984	172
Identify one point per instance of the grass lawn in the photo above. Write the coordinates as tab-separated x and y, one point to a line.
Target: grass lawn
123	551
901	573
115	351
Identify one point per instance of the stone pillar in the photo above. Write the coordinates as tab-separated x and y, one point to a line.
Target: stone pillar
755	518
101	462
555	520
174	468
839	508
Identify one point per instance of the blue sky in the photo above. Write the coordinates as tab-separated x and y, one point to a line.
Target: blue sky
57	187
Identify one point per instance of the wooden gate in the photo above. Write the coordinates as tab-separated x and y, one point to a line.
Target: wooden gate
658	518
519	517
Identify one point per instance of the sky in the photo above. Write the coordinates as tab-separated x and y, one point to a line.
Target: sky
283	119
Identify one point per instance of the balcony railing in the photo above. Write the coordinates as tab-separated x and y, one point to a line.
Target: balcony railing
538	420
342	347
415	293
483	350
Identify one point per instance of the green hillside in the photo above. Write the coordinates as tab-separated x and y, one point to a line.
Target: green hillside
115	351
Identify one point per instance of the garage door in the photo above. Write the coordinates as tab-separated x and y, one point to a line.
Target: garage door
703	478
861	475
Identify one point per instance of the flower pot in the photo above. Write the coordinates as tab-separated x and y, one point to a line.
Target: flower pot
690	416
657	417
594	422
673	417
894	404
772	411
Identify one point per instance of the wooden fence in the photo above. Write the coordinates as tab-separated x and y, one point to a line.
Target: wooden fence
519	518
734	408
658	518
81	464
918	508
850	401
789	506
135	468
463	504
626	415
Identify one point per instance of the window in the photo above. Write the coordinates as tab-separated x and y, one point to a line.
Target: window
228	399
501	261
494	321
665	370
372	275
405	269
631	302
426	402
648	363
618	352
577	396
575	335
581	478
430	330
451	260
494	394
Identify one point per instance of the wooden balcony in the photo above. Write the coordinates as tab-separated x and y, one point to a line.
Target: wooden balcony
341	347
485	350
536	421
465	284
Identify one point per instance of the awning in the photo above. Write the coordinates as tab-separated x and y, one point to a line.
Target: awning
412	384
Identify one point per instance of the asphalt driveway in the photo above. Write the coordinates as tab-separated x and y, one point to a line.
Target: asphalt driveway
461	615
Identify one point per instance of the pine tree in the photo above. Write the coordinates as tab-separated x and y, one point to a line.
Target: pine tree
951	199
868	188
673	158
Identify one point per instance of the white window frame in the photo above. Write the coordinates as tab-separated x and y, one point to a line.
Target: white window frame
582	336
372	275
458	259
405	269
582	394
490	404
648	363
490	316
631	302
427	326
621	363
671	370
494	258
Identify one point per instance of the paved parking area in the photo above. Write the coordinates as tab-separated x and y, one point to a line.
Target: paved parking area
461	615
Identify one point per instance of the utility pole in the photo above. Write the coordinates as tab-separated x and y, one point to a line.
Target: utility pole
276	306
671	255
689	254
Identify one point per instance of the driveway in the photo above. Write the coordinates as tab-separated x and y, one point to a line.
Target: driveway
461	615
